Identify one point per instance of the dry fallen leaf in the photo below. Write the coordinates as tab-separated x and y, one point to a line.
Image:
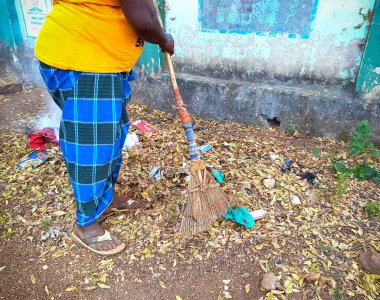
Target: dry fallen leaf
313	276
59	213
162	284
103	285
326	231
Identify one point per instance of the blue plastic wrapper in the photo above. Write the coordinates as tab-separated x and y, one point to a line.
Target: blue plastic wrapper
33	160
205	148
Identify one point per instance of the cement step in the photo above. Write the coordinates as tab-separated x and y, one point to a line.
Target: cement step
311	109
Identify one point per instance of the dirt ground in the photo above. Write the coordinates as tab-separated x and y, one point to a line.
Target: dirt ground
323	235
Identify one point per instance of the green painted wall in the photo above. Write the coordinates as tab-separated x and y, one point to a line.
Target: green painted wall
152	58
10	30
10	33
369	76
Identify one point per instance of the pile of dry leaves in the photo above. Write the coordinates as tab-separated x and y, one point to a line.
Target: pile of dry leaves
318	240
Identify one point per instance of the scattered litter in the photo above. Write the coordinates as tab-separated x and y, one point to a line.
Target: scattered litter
258	214
310	177
269	183
248	187
219	176
155	275
33	160
279	262
226	144
273	156
288	166
269	281
185	165
295	200
147	129
132	142
53	233
205	148
144	126
240	216
155	173
172	144
39	138
226	294
327	250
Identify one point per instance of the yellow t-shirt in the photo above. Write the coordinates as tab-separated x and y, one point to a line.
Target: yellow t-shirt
88	36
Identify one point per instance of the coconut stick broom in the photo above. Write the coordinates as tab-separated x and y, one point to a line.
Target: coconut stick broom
206	201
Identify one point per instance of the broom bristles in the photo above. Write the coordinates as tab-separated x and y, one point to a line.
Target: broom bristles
206	201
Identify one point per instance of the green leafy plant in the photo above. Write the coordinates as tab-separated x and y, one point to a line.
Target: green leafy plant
5	218
361	139
340	167
316	152
291	129
339	180
45	224
5	221
340	190
338	295
362	172
372	208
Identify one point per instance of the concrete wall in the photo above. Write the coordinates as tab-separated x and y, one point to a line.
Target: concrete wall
253	61
319	40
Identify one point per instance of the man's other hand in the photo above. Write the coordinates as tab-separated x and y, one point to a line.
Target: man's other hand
168	44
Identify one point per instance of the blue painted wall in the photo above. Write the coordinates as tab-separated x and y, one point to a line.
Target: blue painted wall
308	39
261	16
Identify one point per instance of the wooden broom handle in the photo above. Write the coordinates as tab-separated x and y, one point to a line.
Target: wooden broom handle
183	114
177	97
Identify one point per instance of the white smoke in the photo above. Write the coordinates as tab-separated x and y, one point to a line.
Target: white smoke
51	116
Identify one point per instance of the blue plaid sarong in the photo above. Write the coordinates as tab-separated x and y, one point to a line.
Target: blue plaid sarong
92	133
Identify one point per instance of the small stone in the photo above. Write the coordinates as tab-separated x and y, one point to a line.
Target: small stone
273	156
295	200
313	276
269	183
370	262
170	116
269	281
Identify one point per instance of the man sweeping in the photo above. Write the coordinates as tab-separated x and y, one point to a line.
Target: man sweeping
87	49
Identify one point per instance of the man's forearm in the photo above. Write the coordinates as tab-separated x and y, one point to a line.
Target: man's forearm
142	17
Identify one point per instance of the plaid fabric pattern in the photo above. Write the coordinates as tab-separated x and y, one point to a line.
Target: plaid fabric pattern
92	132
